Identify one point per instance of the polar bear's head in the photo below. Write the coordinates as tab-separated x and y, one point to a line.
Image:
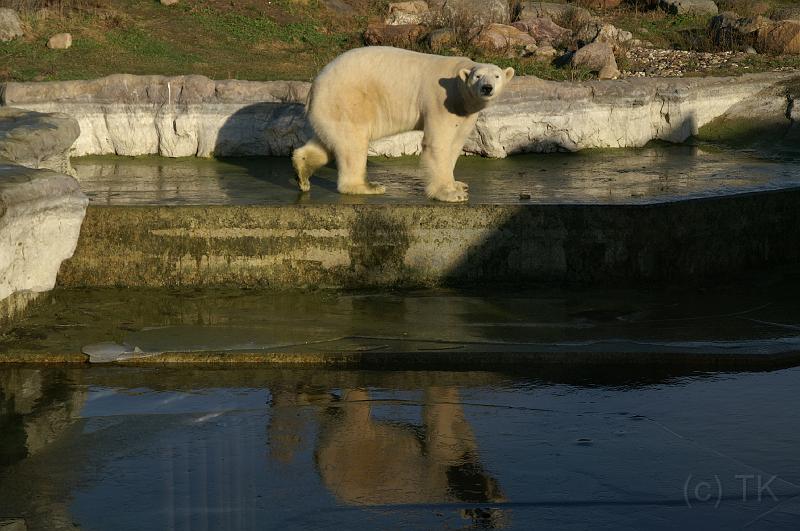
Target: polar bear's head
486	81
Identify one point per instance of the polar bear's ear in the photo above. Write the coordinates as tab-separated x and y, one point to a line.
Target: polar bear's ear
509	73
464	73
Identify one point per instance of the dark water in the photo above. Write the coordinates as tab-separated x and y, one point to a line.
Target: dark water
186	448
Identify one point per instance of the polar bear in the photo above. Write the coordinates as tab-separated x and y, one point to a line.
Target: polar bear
377	91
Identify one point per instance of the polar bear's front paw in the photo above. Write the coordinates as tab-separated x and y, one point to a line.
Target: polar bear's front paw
366	188
451	193
461	186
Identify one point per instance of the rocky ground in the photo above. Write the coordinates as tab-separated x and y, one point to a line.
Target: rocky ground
572	35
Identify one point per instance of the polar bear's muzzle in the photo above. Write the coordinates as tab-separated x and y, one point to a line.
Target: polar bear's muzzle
486	90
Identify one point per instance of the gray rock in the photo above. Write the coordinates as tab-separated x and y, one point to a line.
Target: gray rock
37	140
785	13
616	37
729	21
544	31
780	38
477	12
499	38
545	53
412	12
689	7
60	41
731	31
401	35
40	211
568	15
10	25
339	7
441	38
597	57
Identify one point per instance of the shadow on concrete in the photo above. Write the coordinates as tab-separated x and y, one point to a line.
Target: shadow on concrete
721	234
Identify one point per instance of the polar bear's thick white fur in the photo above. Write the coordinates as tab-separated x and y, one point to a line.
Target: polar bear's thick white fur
373	92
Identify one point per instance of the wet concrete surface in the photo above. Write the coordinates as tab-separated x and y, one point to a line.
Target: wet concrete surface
162	448
743	321
656	173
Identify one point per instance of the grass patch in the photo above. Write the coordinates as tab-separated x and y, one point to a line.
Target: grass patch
280	39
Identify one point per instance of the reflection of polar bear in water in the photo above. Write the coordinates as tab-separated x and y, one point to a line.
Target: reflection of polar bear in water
363	460
373	92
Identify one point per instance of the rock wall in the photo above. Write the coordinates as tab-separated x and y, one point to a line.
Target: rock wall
195	116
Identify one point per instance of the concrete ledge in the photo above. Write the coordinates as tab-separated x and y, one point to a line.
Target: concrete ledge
352	246
195	116
484	360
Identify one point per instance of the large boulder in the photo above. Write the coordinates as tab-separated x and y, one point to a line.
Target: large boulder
602	4
40	210
597	57
544	31
785	13
440	39
37	140
562	14
40	218
502	38
689	7
780	38
729	30
413	12
10	25
476	12
401	35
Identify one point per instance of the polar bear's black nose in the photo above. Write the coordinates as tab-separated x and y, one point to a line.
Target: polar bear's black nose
486	90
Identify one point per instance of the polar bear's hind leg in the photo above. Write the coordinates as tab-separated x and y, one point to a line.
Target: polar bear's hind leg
351	161
307	160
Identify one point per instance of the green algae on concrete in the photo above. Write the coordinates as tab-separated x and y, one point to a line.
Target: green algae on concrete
349	246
